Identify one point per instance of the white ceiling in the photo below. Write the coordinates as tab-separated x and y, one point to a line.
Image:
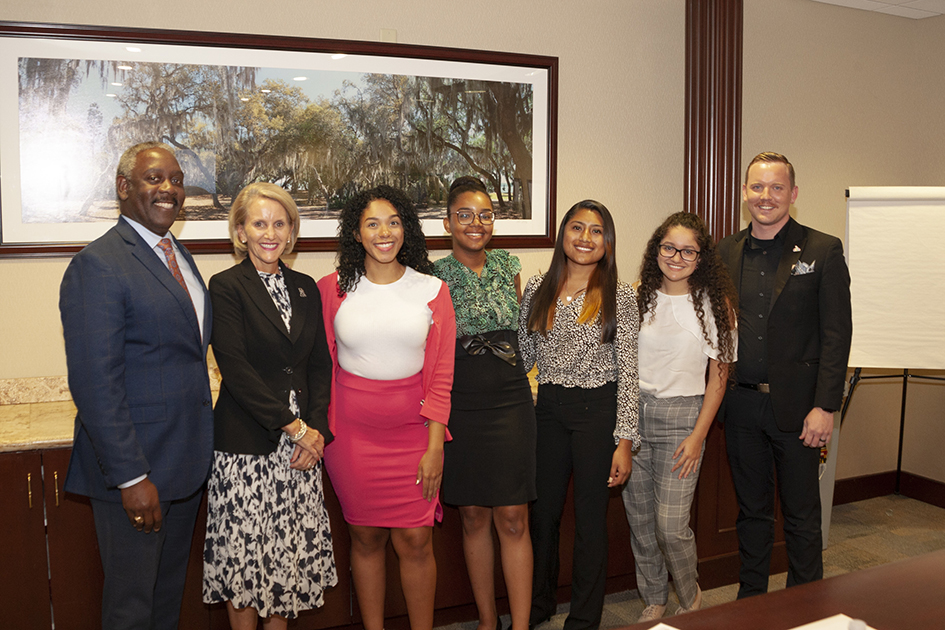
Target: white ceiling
915	9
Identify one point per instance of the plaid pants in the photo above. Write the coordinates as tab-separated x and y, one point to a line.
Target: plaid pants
658	502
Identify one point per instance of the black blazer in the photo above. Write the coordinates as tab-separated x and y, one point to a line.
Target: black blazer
810	324
260	361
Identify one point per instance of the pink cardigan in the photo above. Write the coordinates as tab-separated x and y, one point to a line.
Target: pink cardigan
438	359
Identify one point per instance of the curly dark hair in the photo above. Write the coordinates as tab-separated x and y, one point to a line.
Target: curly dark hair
710	279
350	260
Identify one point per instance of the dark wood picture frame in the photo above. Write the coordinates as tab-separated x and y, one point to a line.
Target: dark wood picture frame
546	123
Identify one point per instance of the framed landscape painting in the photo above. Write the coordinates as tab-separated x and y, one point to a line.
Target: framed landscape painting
321	118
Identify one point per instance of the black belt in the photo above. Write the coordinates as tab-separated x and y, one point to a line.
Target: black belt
764	388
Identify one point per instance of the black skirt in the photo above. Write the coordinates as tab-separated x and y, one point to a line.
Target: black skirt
491	458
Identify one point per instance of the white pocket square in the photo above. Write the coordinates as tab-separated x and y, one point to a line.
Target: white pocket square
802	268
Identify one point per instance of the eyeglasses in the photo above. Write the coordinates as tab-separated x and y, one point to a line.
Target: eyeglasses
486	217
668	251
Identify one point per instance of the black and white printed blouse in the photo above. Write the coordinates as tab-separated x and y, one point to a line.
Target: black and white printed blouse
571	355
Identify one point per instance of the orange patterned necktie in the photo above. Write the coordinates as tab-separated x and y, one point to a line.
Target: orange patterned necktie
165	245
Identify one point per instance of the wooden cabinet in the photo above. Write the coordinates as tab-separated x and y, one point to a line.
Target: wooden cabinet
75	567
24	585
65	584
51	569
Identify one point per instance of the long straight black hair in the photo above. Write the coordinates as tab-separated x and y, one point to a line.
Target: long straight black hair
600	299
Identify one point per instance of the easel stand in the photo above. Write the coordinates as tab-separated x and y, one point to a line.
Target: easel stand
854	381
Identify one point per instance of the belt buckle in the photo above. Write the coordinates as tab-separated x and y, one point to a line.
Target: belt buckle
764	388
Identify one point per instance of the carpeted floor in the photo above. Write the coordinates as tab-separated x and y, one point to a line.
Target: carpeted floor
863	534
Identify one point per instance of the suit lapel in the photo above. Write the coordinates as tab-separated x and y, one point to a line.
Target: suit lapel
149	258
259	294
734	261
297	299
207	311
794	241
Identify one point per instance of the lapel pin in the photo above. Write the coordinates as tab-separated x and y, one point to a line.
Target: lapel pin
796	249
302	292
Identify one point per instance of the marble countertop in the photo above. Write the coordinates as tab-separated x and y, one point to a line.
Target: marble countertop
37	413
36	426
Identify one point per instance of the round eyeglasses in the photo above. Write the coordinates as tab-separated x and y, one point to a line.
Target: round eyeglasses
668	251
464	217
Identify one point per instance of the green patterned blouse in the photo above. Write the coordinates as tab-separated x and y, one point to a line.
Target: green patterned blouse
486	302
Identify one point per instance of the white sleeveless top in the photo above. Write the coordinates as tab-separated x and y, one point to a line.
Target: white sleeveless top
381	329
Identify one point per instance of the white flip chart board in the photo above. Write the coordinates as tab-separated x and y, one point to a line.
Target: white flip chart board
895	248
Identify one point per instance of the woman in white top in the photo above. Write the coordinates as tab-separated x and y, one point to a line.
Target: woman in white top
687	322
391	334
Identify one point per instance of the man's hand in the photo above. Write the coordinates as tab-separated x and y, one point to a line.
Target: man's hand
818	427
142	506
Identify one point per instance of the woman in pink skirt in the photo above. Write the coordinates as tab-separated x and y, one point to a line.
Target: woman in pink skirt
391	331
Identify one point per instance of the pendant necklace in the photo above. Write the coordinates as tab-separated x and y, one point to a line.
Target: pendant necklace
568	298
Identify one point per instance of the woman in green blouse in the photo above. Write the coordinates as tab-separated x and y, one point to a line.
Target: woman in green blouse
489	469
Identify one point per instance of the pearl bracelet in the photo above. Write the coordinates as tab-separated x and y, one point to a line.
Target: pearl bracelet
303	429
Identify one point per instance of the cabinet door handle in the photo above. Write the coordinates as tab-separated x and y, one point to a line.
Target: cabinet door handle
29	489
56	486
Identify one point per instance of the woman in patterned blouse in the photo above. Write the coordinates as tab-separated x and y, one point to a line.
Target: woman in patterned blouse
489	469
268	547
579	324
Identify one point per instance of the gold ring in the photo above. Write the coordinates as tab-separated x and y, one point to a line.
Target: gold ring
139	519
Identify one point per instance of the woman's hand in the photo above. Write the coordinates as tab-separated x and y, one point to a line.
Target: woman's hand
308	450
689	451
430	472
621	464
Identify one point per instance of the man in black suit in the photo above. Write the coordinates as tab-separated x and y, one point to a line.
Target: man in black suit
136	322
794	330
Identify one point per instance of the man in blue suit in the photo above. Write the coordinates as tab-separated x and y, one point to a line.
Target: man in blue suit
794	331
136	322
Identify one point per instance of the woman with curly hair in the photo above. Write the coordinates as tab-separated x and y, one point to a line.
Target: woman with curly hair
490	464
391	329
579	324
686	303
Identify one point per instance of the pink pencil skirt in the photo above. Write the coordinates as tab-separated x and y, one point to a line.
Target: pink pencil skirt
380	437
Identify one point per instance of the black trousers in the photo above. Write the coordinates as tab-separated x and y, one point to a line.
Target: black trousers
575	434
144	573
756	448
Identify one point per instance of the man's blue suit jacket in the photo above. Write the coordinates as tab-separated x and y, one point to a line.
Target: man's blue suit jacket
137	371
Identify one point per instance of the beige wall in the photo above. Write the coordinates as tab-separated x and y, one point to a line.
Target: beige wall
620	110
853	98
839	91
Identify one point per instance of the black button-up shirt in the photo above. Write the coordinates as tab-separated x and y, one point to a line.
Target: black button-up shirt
759	268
